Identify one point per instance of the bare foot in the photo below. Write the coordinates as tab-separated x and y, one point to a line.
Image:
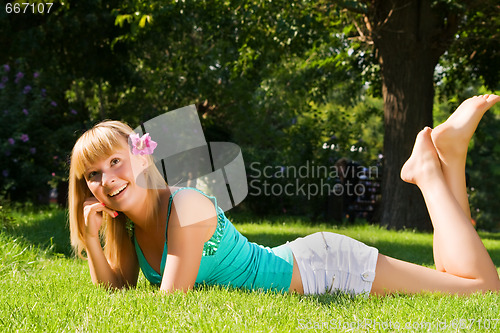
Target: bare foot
452	137
423	163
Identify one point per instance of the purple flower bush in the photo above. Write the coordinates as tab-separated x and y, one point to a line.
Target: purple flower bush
35	126
19	77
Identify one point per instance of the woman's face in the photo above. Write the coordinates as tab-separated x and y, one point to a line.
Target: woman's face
112	180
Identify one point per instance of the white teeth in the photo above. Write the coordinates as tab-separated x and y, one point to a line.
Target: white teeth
117	191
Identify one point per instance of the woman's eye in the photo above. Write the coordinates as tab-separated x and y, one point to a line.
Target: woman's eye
115	161
91	174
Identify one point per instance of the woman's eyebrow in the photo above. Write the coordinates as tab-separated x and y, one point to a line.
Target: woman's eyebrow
89	169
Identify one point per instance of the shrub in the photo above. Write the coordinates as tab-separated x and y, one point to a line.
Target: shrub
36	133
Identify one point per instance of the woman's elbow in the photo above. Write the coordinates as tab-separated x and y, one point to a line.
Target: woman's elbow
114	284
173	288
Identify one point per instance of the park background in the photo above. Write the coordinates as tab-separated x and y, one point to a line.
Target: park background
293	84
303	83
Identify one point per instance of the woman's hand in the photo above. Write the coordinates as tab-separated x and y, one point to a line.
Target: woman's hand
92	213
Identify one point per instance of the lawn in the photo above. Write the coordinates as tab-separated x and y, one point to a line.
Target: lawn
43	288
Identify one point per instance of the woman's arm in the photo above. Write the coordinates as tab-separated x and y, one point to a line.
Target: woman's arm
192	222
102	271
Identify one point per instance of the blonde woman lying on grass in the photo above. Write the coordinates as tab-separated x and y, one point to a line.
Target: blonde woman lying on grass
204	247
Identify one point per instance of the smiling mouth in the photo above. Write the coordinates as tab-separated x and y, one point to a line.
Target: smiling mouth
118	191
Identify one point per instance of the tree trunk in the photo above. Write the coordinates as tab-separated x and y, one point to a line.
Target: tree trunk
408	97
409	39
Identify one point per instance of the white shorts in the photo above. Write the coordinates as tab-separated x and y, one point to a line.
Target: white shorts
331	262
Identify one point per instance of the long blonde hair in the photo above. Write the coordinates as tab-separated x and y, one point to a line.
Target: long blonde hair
97	143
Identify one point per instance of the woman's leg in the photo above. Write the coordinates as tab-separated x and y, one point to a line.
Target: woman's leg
467	264
451	140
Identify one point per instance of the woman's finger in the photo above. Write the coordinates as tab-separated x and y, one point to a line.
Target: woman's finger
110	211
97	207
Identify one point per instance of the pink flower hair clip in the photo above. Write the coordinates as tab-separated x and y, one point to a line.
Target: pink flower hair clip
142	145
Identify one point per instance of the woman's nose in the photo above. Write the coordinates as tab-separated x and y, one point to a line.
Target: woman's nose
107	179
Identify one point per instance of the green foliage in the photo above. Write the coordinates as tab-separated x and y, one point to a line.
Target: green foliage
474	54
258	73
267	78
69	50
282	80
72	46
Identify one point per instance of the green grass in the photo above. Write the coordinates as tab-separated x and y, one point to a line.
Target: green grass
43	288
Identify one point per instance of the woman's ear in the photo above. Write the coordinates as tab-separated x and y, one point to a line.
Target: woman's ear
144	161
140	161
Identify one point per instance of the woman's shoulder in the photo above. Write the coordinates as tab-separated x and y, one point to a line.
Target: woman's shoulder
191	205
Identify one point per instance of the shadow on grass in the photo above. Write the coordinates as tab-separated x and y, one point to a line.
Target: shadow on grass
337	299
46	229
49	229
415	253
489	235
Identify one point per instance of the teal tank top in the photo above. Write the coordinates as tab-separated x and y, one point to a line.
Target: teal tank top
229	259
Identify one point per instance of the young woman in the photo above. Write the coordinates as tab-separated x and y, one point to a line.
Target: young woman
180	238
